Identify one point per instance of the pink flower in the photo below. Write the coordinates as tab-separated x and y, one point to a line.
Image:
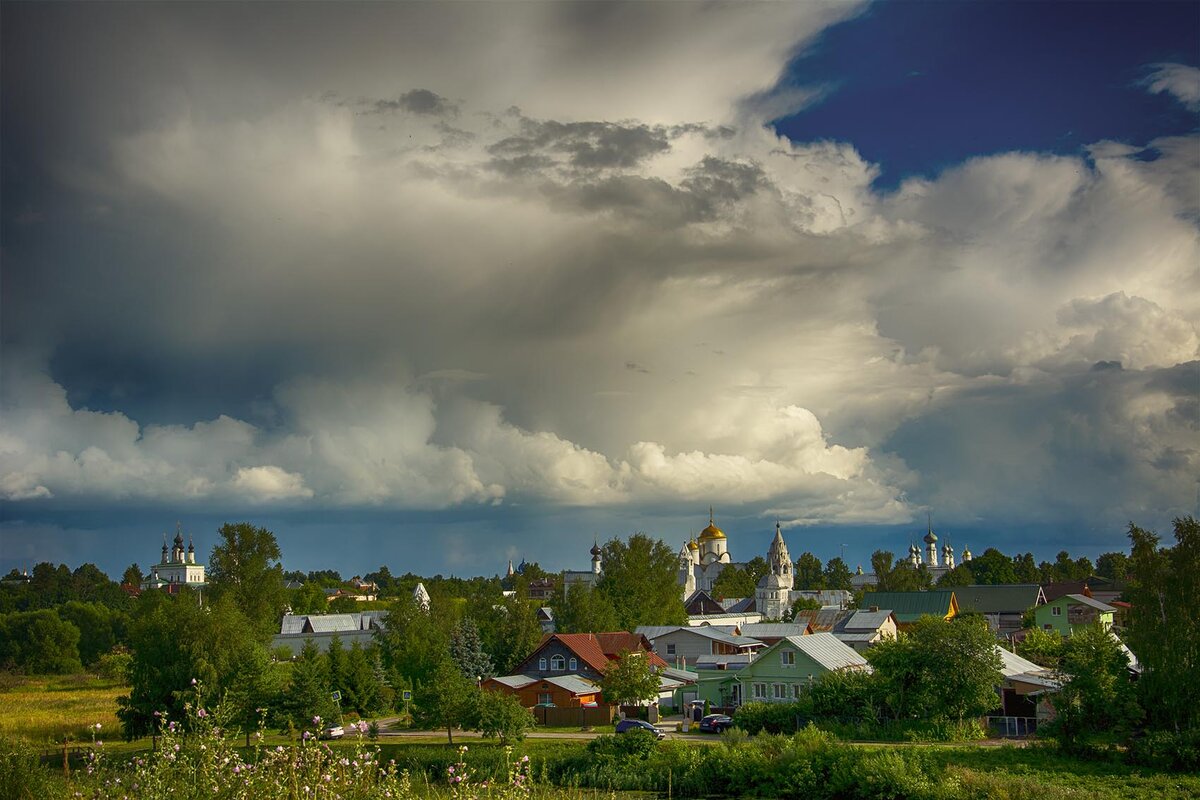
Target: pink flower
200	713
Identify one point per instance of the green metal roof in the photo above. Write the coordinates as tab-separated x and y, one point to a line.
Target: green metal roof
911	606
1014	598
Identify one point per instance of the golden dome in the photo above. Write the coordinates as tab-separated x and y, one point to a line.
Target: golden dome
692	545
712	531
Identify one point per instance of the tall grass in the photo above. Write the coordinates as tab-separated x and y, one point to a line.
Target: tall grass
44	709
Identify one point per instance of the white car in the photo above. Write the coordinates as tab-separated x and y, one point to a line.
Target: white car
332	732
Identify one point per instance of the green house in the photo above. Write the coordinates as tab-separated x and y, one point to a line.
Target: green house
781	672
1072	611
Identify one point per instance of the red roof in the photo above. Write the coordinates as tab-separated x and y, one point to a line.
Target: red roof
597	649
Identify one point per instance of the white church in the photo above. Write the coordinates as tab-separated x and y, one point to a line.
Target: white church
176	569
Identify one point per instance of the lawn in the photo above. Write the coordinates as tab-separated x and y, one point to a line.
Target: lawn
42	709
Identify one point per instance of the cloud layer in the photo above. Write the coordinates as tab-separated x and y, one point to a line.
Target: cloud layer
593	277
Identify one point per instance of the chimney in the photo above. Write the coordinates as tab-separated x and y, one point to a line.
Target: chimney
873	608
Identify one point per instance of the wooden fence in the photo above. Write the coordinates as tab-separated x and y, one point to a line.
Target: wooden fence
579	717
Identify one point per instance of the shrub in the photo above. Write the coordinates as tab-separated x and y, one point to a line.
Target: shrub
769	717
1167	750
22	776
632	745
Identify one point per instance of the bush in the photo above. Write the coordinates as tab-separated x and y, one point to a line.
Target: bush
22	776
632	745
115	665
1167	750
769	717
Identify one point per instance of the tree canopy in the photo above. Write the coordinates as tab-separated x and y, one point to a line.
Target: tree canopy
246	566
640	580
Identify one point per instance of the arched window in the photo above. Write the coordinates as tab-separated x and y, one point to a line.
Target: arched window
574	665
557	663
541	663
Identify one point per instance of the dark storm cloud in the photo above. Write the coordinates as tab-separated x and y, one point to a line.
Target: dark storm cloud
417	101
588	145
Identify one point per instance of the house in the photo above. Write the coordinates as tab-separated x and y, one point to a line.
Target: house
771	632
822	621
545	618
779	673
1025	688
911	606
864	628
1004	607
701	603
1102	589
1066	613
717	679
296	629
540	589
685	644
566	668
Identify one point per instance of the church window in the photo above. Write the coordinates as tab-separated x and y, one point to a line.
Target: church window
541	663
787	658
574	665
557	663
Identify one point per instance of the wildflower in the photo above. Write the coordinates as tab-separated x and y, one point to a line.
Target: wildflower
316	720
193	681
201	713
98	726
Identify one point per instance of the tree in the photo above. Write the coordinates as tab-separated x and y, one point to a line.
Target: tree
1096	694
640	581
309	694
362	689
1164	629
335	663
1113	565
809	574
939	670
39	642
100	628
132	575
309	599
411	644
959	576
733	582
501	714
466	651
629	680
801	604
904	577
246	566
1026	569
448	700
255	692
993	568
837	574
513	633
585	610
1044	648
175	642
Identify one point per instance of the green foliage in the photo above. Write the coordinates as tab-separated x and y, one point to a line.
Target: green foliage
1113	565
633	745
640	580
733	581
246	566
939	670
1164	628
585	610
629	680
22	776
132	575
512	634
309	691
447	700
801	604
100	628
501	714
1096	695
810	575
175	642
961	575
115	665
904	577
466	651
1167	750
309	599
1044	648
755	717
39	642
837	574
412	644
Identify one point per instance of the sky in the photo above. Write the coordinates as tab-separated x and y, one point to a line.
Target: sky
439	285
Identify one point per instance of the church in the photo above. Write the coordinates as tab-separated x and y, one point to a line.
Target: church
177	569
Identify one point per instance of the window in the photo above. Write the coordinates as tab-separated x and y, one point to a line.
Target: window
795	691
760	691
780	692
670	649
544	697
542	664
1056	611
787	658
1047	627
574	665
557	663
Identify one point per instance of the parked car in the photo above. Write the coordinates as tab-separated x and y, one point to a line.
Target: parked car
332	732
627	725
716	723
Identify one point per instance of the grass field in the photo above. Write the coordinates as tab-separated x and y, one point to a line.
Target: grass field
43	709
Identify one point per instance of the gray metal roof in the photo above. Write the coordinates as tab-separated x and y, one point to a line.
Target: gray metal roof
1088	601
652	632
856	636
717	635
729	661
828	598
683	675
292	623
331	623
1012	664
573	684
827	650
774	629
515	681
865	620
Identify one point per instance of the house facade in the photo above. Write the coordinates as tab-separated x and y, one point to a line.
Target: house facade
684	645
782	671
1069	612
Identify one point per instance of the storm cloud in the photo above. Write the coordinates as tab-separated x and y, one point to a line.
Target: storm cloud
557	276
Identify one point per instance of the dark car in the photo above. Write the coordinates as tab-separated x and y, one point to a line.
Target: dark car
627	725
716	723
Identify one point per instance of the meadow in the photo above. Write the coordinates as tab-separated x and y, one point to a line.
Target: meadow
45	709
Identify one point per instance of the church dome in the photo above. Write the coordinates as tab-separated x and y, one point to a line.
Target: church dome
179	539
711	532
930	537
772	581
595	549
692	545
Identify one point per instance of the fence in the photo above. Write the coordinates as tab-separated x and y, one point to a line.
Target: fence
581	716
1011	727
